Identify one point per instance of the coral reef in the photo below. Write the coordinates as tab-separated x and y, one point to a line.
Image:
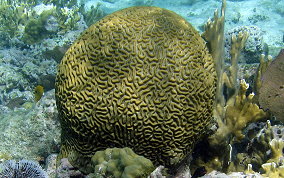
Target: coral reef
31	133
32	21
62	3
22	168
272	170
145	84
238	115
217	174
23	67
14	15
50	165
35	34
93	15
228	109
10	79
253	47
49	22
264	153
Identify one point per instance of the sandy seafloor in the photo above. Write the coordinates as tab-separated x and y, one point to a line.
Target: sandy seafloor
30	130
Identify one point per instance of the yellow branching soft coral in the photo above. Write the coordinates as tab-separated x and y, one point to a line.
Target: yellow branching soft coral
274	166
237	110
233	110
272	170
277	146
234	113
214	36
231	77
241	112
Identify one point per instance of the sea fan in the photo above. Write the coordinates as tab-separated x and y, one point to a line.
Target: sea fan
22	169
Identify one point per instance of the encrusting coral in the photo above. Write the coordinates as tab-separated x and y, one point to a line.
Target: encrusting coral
120	162
141	78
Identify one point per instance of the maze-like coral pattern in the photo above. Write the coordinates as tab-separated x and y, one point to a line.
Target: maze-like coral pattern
140	77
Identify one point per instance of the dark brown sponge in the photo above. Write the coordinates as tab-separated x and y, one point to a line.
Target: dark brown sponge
142	78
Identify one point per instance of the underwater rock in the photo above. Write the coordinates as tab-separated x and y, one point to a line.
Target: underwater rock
31	133
50	165
65	169
52	24
271	94
217	174
10	79
253	47
15	102
56	53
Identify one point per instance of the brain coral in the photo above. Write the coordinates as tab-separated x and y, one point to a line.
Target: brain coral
141	78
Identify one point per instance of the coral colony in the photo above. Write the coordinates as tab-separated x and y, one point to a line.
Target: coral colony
116	88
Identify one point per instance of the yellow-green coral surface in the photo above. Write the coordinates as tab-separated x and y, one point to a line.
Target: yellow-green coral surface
141	78
120	162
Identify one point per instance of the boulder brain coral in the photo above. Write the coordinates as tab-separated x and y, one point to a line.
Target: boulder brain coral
141	78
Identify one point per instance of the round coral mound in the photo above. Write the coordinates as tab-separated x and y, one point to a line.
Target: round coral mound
141	78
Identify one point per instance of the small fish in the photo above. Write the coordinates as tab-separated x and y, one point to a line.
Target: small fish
38	92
